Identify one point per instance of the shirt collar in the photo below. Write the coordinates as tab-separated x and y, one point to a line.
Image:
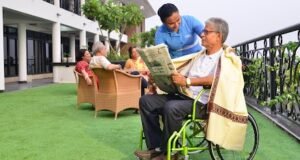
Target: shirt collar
215	55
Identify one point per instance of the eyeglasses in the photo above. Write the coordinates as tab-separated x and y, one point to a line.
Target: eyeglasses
206	32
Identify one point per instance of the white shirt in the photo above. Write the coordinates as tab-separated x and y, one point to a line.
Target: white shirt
203	67
99	62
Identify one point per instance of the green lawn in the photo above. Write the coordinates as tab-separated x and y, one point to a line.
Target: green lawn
43	124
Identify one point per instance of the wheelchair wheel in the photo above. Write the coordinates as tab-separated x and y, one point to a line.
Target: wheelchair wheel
195	136
250	146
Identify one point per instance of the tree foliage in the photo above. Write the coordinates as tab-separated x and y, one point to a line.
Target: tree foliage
113	16
144	39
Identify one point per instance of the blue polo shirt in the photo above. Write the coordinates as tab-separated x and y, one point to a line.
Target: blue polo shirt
183	42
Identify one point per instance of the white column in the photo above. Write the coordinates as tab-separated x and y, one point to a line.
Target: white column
2	79
72	47
82	3
82	42
96	38
107	44
56	55
22	52
56	3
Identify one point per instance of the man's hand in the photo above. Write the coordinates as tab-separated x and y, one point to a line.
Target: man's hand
145	72
151	85
178	79
150	79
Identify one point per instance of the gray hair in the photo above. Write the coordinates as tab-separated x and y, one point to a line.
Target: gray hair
220	26
97	46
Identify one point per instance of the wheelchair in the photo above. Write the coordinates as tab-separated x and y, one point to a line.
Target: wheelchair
190	139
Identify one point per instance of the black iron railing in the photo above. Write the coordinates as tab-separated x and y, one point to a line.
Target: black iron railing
272	70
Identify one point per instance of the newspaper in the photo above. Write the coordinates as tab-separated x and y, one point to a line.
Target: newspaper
158	61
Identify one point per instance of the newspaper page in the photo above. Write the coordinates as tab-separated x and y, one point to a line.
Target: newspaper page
158	61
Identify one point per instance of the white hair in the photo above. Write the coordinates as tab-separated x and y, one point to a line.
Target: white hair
220	25
97	46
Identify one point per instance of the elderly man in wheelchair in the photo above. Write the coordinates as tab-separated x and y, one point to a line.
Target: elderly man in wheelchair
222	104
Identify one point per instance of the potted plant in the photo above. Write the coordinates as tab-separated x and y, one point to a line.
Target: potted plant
66	57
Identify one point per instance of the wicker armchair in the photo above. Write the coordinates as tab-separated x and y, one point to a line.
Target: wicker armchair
85	93
117	91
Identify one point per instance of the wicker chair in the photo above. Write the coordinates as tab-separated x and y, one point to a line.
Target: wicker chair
85	93
117	91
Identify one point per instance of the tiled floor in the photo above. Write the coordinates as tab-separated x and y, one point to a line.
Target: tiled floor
20	86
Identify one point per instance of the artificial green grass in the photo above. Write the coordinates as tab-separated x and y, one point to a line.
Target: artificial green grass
275	143
43	123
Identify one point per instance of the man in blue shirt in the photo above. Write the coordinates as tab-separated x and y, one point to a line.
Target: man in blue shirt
180	33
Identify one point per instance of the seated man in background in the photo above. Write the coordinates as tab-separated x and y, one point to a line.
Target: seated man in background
99	59
136	66
82	65
201	71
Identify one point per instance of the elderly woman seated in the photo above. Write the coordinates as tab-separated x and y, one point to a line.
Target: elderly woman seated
99	59
136	66
82	65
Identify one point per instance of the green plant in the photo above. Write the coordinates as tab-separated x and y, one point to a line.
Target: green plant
144	39
115	57
287	70
67	54
288	77
252	74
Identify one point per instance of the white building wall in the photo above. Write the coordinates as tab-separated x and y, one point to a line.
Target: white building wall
59	17
47	11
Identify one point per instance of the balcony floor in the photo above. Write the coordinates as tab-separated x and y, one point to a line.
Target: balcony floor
14	86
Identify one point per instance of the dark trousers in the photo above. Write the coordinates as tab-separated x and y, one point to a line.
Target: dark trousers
173	110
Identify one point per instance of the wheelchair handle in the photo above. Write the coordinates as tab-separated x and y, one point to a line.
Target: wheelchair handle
195	102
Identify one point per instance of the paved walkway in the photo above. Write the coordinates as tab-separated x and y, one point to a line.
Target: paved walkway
20	86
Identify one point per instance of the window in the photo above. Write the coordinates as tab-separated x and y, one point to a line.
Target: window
10	52
71	5
39	53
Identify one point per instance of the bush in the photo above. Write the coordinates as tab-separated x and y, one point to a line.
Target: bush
115	57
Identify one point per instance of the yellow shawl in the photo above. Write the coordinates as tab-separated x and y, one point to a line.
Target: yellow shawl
228	116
